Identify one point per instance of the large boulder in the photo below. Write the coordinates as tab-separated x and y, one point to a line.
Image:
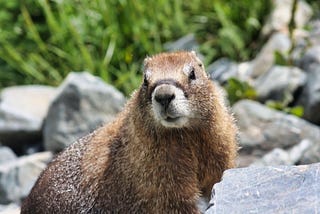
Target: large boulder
83	103
279	81
263	129
280	189
17	177
22	111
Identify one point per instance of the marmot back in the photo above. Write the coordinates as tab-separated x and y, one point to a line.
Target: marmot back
164	151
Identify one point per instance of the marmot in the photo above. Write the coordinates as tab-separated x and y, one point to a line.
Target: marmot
169	145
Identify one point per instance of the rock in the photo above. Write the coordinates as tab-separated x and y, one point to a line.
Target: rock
224	69
6	155
10	209
314	36
280	16
202	205
265	59
187	42
18	177
280	156
311	58
83	103
310	97
281	189
279	82
22	111
263	129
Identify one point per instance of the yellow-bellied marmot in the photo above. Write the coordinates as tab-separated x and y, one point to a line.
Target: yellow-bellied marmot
169	145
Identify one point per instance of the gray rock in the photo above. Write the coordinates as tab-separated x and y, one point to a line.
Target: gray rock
280	156
279	82
10	209
202	205
314	36
18	177
310	98
6	155
281	15
274	158
281	189
187	42
22	111
311	58
83	103
222	70
265	59
263	129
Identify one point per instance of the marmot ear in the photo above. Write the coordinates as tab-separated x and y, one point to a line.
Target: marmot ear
194	53
145	65
146	60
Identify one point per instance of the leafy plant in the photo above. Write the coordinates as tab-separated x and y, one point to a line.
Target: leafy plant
284	105
296	110
106	38
232	28
238	90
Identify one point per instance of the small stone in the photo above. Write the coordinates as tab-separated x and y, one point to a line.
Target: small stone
314	36
17	177
310	97
263	129
6	155
279	82
10	209
280	156
222	70
311	58
22	111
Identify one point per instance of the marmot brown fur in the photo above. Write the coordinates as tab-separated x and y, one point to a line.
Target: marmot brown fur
169	145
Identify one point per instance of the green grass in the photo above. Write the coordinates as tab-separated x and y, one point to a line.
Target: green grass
41	41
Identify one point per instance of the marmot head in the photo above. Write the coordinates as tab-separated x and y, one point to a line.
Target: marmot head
176	91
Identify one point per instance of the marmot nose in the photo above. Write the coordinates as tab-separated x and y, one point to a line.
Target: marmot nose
164	98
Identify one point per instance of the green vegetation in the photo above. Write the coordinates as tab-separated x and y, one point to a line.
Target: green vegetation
238	90
284	105
41	41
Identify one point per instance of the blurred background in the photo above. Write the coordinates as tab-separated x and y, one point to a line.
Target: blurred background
42	41
68	66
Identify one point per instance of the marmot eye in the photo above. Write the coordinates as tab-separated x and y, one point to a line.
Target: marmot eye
192	75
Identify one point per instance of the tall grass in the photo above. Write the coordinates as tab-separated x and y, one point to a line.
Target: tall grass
41	41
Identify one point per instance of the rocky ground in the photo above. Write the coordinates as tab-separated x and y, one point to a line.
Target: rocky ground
38	121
